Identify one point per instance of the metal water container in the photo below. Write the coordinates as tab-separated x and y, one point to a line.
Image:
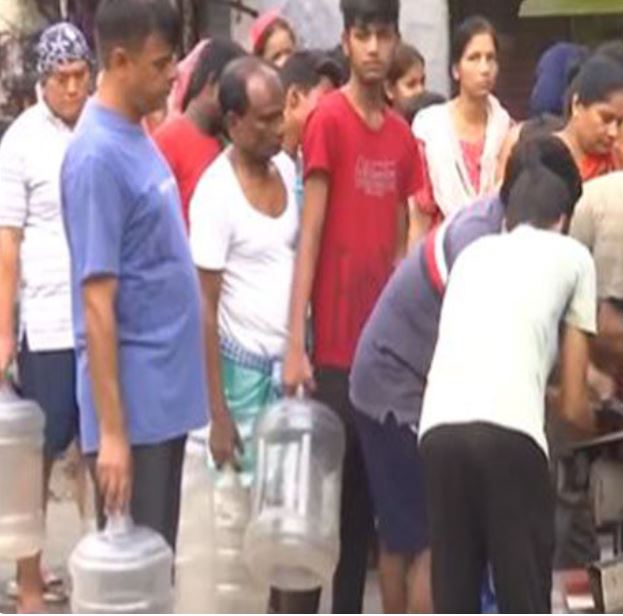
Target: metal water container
124	569
21	479
292	541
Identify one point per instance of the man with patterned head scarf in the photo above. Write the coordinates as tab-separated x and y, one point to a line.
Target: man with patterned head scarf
34	258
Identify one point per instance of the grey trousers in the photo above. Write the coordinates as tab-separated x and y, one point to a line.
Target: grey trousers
156	487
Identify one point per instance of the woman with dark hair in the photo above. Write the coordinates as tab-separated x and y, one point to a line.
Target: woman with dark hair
406	79
272	38
594	117
463	138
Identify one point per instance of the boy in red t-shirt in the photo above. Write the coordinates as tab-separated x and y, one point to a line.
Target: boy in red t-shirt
189	141
360	168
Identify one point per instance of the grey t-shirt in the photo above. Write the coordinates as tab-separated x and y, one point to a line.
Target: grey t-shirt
396	347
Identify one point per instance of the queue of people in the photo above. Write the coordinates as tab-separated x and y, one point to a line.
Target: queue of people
318	222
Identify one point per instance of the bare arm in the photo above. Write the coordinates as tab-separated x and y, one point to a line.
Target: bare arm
419	223
10	242
224	437
607	346
402	236
574	359
114	463
297	370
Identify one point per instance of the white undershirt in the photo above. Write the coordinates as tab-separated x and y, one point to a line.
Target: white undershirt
255	253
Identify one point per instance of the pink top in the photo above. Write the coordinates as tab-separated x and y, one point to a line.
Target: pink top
472	155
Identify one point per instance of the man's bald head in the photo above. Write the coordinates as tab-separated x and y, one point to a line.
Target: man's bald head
244	78
252	99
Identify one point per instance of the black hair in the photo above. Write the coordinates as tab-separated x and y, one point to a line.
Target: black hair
128	23
467	30
305	69
279	23
340	60
598	78
366	12
233	95
612	50
405	57
213	59
542	183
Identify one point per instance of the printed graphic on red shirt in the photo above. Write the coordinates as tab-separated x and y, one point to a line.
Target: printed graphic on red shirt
372	174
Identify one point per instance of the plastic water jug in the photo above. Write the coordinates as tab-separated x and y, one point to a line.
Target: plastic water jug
292	541
124	569
236	590
194	559
21	476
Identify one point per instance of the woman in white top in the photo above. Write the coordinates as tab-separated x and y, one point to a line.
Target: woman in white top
463	137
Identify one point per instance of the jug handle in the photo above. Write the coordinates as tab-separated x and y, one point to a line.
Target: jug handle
118	524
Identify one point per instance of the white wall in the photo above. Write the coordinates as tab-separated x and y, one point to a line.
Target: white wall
19	15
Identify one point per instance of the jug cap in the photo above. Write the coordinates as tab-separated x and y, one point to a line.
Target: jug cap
121	543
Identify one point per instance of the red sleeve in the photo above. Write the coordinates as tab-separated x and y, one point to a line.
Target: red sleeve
317	143
424	197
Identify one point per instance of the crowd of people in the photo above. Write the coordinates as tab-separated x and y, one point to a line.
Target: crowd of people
190	242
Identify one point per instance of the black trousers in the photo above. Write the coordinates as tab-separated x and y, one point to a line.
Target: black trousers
156	487
490	502
356	519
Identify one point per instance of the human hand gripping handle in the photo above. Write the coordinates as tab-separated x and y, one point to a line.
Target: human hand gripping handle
7	353
114	472
225	442
297	372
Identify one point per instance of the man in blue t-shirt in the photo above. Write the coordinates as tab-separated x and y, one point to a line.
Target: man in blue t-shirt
391	365
136	301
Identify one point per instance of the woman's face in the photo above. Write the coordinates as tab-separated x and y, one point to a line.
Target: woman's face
279	47
477	70
599	125
407	88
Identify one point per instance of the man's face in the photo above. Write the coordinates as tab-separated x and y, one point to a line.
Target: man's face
65	91
599	125
259	132
147	74
370	49
300	104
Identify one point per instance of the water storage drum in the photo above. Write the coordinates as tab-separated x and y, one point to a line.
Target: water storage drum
124	569
292	541
21	479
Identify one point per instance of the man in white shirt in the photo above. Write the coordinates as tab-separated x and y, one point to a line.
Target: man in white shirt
244	224
34	258
482	428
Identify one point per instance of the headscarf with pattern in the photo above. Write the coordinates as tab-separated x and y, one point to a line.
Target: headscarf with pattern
60	44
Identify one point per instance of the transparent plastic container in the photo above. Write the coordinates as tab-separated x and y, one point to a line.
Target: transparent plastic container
124	569
21	479
292	541
236	591
194	566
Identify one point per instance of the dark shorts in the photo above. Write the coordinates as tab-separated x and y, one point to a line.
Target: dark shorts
49	378
396	478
